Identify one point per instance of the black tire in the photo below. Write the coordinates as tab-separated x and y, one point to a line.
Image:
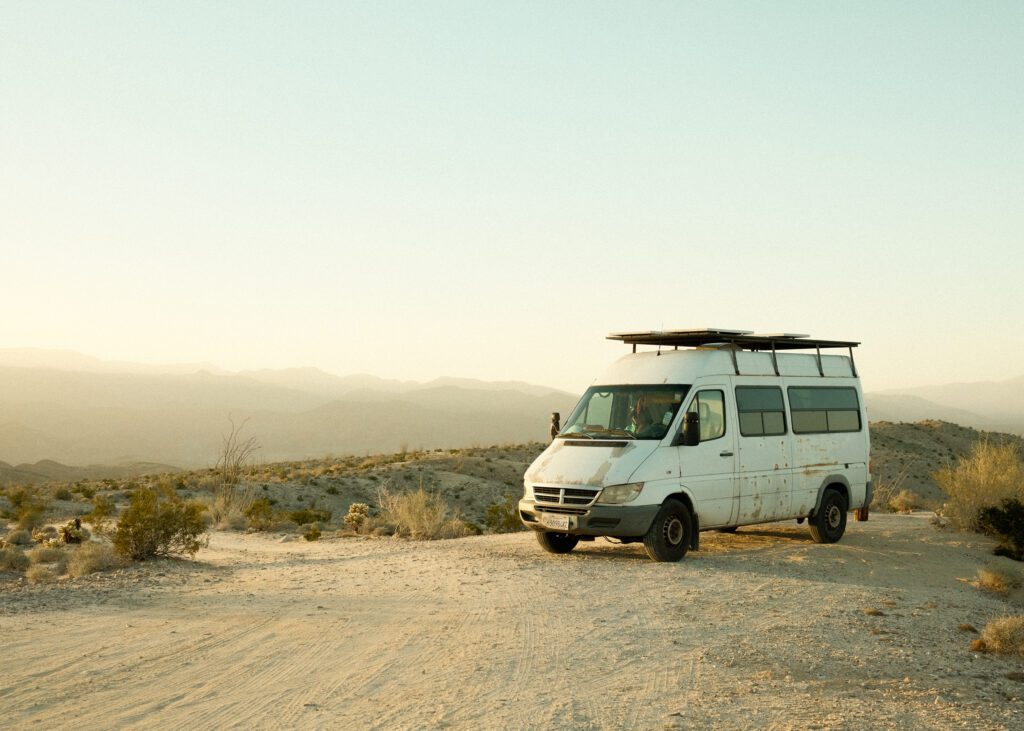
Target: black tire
669	535
829	522
730	529
557	542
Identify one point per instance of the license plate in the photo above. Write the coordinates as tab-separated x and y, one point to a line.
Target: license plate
558	522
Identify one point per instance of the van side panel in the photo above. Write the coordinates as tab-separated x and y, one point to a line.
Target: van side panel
819	457
765	462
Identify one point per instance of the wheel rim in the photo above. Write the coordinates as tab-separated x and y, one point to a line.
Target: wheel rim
674	531
834	516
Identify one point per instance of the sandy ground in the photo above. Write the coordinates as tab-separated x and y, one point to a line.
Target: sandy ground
764	629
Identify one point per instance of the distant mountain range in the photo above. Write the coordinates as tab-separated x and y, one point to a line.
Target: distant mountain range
73	409
991	405
76	410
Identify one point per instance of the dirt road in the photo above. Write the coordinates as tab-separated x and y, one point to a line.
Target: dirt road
763	629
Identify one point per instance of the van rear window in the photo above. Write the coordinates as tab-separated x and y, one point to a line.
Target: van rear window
761	411
824	409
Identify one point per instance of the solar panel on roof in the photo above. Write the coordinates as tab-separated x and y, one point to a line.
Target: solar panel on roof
742	338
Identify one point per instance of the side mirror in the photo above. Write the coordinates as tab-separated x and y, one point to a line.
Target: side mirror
691	430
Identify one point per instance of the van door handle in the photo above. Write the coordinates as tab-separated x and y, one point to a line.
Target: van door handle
726	453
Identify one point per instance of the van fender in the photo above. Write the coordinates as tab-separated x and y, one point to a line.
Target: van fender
832	480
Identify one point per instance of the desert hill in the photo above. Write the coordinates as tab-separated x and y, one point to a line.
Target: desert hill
908	454
991	405
89	417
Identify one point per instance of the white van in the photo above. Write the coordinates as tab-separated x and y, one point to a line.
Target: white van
713	430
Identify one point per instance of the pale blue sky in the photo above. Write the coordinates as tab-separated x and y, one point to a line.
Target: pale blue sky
488	189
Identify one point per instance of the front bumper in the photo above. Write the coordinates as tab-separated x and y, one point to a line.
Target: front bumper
620	521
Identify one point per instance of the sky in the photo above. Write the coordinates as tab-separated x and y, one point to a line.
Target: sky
486	190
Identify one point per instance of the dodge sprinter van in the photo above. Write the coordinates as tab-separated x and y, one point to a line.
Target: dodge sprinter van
714	429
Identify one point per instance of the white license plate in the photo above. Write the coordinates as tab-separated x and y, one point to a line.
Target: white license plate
558	522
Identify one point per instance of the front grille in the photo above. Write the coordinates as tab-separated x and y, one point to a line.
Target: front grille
563	495
562	511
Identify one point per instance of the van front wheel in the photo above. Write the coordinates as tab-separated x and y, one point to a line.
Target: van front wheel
669	535
829	523
557	542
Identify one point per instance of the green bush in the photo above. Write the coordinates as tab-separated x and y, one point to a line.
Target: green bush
28	508
102	511
313	534
309	515
503	517
1005	523
260	514
159	524
62	494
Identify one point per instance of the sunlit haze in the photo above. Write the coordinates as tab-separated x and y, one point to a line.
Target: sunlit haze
487	189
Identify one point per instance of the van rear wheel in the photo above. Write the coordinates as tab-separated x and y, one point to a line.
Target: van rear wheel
829	523
669	534
557	542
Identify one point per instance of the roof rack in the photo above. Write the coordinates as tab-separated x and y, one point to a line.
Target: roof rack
738	339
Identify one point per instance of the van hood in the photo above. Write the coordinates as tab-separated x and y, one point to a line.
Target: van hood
596	464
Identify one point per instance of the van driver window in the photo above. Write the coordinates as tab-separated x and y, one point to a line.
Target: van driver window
710	406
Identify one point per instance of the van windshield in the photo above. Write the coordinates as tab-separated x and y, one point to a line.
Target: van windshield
625	412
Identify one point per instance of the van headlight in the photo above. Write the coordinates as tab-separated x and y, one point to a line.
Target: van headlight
617	494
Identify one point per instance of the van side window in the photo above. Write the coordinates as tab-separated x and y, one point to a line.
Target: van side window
820	409
761	411
710	406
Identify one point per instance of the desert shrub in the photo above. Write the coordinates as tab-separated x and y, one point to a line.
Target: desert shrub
235	452
102	511
331	490
1004	636
503	517
358	514
990	474
30	512
420	515
12	559
904	501
998	580
159	524
45	554
313	534
309	515
260	514
19	537
1005	523
39	574
229	505
62	493
44	534
90	558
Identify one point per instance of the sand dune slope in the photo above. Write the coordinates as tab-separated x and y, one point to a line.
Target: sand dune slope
763	629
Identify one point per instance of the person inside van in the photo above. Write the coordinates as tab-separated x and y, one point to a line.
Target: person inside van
639	418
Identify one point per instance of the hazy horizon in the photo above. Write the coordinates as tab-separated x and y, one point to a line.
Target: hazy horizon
184	367
416	190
